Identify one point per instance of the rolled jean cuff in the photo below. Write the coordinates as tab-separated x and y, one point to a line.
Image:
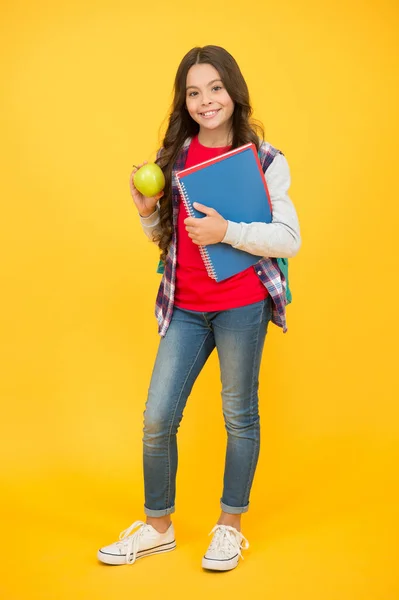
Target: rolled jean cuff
234	510
159	513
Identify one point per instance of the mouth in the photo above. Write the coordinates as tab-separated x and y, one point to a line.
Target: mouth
209	114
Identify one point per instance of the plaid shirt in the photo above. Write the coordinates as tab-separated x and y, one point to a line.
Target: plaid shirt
267	269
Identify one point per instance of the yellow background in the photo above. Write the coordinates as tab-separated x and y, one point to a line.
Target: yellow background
85	88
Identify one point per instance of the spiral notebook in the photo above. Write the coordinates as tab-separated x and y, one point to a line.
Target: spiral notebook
233	184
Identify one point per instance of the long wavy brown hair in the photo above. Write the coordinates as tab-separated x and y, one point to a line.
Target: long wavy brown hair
181	126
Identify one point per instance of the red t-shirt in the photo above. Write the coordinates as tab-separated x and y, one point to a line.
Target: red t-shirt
195	290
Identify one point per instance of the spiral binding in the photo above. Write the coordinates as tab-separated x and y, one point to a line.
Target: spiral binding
203	250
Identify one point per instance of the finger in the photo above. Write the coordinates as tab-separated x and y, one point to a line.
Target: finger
137	167
190	221
195	240
204	209
133	188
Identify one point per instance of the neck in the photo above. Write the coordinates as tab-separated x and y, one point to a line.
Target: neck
213	139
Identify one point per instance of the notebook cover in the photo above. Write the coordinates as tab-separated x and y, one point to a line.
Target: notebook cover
233	184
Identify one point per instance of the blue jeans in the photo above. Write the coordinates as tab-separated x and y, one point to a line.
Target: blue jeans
239	335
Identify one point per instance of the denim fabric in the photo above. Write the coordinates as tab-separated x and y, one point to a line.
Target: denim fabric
238	335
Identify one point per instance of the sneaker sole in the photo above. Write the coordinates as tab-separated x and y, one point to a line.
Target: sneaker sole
113	559
219	565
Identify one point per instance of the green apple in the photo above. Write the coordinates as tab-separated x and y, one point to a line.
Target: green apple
149	180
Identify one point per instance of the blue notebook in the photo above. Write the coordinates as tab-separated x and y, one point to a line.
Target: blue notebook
234	185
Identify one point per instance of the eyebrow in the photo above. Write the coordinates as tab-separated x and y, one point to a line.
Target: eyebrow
210	83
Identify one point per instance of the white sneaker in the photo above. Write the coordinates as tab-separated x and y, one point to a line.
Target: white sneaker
225	548
132	546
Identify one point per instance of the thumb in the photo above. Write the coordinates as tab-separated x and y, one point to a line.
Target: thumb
204	209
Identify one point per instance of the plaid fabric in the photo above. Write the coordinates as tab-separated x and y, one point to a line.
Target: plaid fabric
267	269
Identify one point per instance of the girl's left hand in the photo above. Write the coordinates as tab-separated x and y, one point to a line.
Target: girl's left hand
208	230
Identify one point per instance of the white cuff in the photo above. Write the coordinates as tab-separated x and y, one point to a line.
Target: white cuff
233	233
151	220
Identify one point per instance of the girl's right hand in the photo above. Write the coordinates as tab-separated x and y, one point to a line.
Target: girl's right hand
146	206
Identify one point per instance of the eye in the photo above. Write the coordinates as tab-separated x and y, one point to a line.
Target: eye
192	94
217	87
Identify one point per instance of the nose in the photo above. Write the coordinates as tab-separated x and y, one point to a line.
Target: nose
205	101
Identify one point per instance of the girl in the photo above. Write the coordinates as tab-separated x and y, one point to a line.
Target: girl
210	115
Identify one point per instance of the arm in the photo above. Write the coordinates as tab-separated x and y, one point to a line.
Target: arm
281	238
148	207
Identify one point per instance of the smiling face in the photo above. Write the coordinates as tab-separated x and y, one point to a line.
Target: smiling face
208	103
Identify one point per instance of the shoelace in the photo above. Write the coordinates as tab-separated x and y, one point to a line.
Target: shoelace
225	535
131	542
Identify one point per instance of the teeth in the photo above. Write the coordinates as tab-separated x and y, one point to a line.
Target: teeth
208	114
